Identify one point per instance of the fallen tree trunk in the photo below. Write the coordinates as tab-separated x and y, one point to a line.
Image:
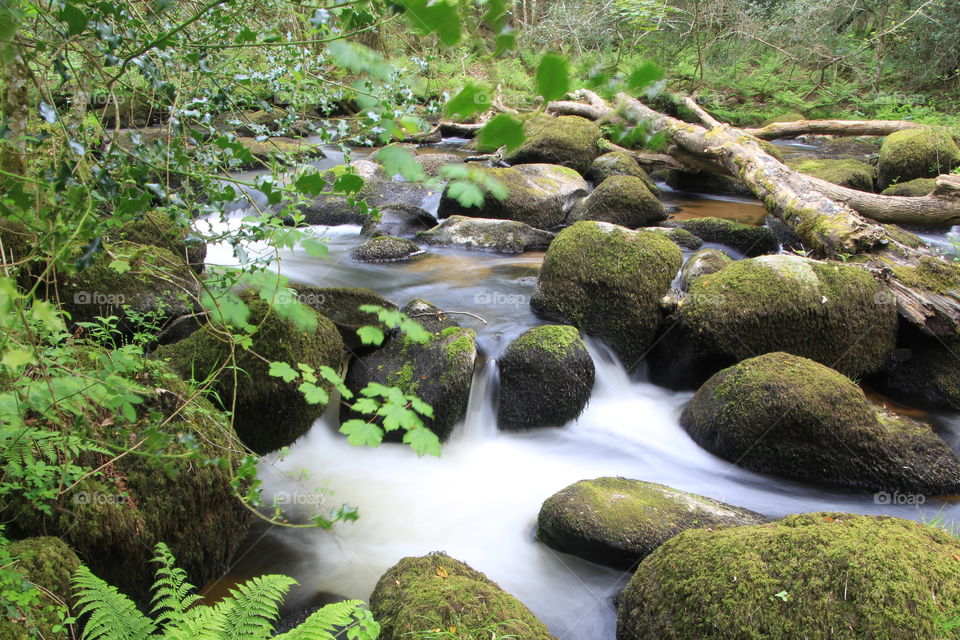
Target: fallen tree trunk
778	130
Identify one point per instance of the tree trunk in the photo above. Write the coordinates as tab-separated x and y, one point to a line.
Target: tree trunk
832	127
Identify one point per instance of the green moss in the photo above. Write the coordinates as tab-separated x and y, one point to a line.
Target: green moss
386	249
464	345
619	163
842	576
930	273
917	153
623	200
156	228
852	174
750	240
912	188
770	149
557	340
284	149
403	378
418	595
702	263
788	116
569	141
47	564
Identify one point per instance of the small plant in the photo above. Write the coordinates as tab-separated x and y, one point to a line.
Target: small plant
248	613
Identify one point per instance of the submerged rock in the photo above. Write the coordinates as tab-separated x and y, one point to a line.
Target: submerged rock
607	281
813	575
793	417
917	153
749	240
386	249
546	377
618	522
399	221
569	141
538	194
702	263
622	200
418	595
680	237
619	163
501	236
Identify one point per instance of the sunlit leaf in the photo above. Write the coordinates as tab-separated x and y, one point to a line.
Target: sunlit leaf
503	130
553	77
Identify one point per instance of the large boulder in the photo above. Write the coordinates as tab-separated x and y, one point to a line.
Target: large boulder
570	141
790	416
833	313
433	162
386	249
607	281
546	376
157	228
852	174
438	372
619	163
538	194
813	575
501	236
702	263
419	595
270	413
622	200
47	564
618	522
680	237
341	305
926	371
399	221
750	240
916	153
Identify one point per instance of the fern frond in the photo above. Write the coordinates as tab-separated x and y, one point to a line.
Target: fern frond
198	623
251	609
326	623
171	592
112	615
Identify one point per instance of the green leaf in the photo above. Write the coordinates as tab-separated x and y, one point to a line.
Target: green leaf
466	193
370	335
283	371
360	433
553	77
16	358
314	394
644	76
423	441
366	405
470	100
348	183
399	160
421	407
315	247
310	184
503	130
75	18
432	16
120	266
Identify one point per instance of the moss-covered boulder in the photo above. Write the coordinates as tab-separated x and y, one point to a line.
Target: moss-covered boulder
270	413
790	416
926	371
833	313
433	162
852	174
138	284
622	200
845	148
540	195
813	575
399	221
700	264
618	522
917	153
569	141
386	249
341	305
159	229
419	595
680	237
113	519
619	163
500	236
546	377
47	564
607	281
911	188
749	240
278	148
438	372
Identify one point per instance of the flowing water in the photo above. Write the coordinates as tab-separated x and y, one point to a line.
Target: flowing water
479	501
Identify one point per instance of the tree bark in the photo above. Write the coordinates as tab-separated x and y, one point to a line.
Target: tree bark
832	127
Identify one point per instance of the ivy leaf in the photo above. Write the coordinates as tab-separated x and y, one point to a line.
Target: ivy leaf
360	433
423	441
310	184
396	416
75	18
399	160
466	193
314	394
283	371
431	16
644	76
470	100
246	35
370	335
553	77
502	131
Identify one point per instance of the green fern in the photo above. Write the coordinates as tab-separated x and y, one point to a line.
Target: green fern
248	613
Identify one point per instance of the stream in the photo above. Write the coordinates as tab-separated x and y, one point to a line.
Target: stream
479	501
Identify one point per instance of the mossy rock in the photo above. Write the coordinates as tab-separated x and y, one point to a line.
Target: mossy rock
619	163
618	522
540	195
115	518
157	228
607	281
420	594
341	305
833	313
749	240
279	148
386	249
546	377
500	236
702	263
48	563
706	182
786	237
852	174
439	372
270	413
433	162
157	284
814	575
770	149
793	417
847	148
399	221
917	153
680	237
569	141
926	371
788	116
912	188
621	200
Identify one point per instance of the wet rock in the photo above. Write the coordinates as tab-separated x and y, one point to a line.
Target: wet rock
501	236
916	153
386	249
399	221
341	305
786	237
681	238
926	371
701	263
747	239
705	182
438	592
793	417
618	522
433	162
569	141
621	200
546	377
619	163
